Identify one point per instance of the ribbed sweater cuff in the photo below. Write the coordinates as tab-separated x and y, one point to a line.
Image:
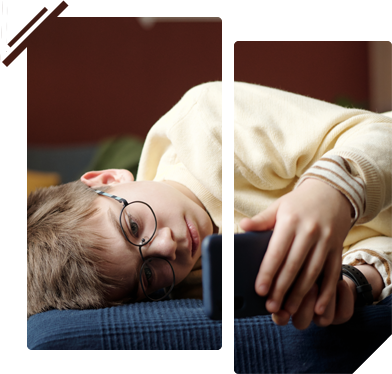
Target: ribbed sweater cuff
336	172
370	173
376	258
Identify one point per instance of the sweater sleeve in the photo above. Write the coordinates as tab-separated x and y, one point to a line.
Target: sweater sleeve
283	138
368	149
280	136
337	173
376	251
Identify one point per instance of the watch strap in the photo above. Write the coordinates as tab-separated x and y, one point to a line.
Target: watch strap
364	288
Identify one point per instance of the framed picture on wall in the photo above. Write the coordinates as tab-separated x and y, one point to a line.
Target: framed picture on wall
151	11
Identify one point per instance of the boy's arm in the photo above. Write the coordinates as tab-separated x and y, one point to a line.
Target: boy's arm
337	173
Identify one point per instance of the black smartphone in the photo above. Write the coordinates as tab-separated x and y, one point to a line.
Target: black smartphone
230	266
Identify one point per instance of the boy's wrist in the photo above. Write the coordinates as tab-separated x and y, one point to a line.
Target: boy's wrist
373	277
338	174
341	199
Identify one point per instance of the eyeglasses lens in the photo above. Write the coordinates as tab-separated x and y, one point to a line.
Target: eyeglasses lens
156	273
138	223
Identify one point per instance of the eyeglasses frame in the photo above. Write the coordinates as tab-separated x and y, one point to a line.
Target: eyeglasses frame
125	204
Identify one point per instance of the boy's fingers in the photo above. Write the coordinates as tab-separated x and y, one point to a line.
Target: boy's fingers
303	317
308	276
281	317
327	317
289	270
300	288
320	259
277	249
345	303
332	269
263	221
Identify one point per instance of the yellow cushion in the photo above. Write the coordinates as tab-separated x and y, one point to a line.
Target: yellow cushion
16	181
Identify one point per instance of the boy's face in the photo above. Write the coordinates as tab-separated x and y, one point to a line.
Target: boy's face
182	224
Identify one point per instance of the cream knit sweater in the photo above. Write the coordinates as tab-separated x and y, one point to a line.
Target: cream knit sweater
280	139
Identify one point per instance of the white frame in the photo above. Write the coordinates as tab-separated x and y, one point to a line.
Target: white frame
151	11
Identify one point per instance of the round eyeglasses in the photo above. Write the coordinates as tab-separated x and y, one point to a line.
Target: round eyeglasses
139	224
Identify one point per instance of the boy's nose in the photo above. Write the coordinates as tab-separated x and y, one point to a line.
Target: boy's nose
163	245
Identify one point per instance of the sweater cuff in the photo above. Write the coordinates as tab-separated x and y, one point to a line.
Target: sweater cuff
337	172
375	258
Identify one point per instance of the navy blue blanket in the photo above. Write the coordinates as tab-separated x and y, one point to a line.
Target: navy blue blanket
176	337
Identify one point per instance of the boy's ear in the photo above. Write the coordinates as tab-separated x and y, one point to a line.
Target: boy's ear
105	177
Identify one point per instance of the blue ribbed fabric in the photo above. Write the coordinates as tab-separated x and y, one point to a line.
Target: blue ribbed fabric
176	337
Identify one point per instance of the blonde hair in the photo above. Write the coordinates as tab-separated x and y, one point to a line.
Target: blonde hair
63	253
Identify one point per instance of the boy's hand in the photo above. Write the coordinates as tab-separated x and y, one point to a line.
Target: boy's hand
339	310
310	225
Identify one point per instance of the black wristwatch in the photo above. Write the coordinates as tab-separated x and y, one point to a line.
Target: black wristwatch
364	288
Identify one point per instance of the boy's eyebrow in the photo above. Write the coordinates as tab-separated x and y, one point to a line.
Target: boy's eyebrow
116	223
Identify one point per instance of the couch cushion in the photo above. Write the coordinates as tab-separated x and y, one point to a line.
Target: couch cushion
176	337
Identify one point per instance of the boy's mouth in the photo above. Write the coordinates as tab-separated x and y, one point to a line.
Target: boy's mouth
194	235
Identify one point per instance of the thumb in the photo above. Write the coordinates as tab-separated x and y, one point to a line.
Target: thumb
345	303
263	221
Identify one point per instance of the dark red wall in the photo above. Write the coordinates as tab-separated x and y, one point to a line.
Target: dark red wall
75	71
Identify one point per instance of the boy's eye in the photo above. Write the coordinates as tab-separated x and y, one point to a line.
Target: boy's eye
134	228
148	274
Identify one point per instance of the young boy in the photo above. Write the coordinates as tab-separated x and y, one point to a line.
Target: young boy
229	157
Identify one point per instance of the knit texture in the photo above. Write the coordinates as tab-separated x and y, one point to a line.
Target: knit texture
279	137
175	337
